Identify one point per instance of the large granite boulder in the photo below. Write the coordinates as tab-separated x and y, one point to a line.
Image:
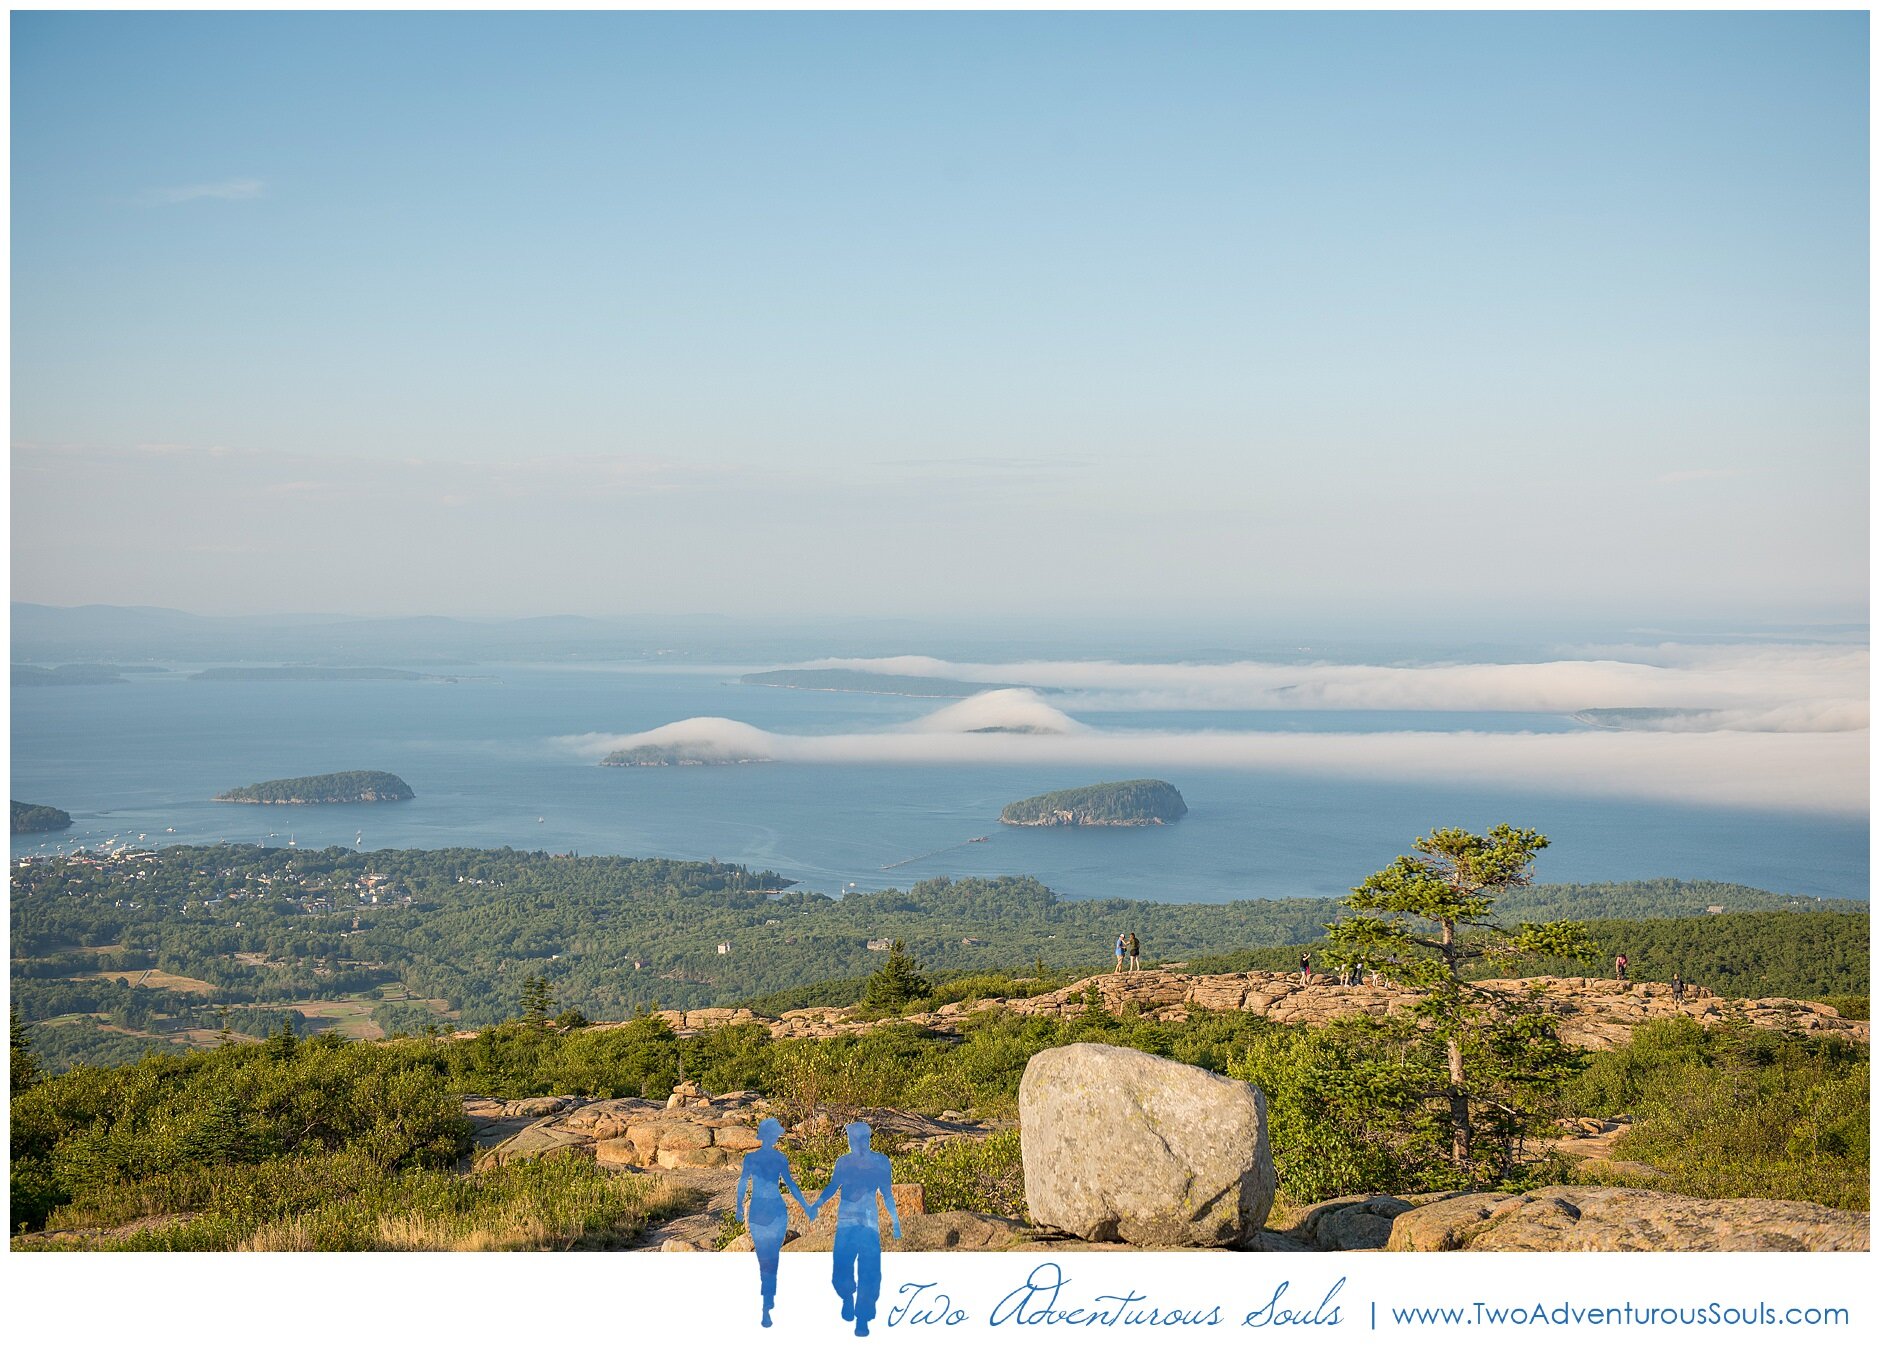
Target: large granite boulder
1606	1219
1119	1145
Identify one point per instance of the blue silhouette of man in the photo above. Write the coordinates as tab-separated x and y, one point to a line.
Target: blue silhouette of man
860	1176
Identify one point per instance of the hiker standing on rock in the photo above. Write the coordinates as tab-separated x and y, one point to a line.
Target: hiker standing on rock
768	1218
1618	966
1122	952
1135	951
1305	968
859	1177
1677	987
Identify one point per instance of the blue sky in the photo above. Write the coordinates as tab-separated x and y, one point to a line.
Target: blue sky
929	314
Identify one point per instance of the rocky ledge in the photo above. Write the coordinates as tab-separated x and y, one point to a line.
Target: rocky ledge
694	1141
1597	1014
691	1129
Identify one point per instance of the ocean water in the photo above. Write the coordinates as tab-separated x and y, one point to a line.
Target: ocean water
491	766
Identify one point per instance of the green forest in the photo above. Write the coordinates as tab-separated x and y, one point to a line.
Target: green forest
1118	802
1739	955
338	787
171	946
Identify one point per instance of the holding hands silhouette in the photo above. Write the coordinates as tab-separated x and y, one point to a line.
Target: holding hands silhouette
859	1178
768	1218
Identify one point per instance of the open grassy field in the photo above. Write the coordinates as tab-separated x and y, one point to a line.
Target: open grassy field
153	978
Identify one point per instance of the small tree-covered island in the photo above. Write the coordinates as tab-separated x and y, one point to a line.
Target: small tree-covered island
676	754
341	787
1118	804
39	818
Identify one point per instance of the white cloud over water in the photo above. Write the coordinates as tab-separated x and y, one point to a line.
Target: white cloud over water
1013	711
1760	727
1822	772
1782	689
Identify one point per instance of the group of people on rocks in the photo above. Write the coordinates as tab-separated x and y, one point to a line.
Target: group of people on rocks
1620	965
1129	957
1128	953
1351	975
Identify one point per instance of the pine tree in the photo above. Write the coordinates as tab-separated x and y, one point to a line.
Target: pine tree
1496	1056
218	1134
898	981
25	1066
282	1043
538	1001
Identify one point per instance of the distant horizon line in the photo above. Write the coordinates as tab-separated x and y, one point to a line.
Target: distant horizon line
1849	619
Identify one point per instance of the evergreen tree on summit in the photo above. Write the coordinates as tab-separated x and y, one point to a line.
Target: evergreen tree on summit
1496	1057
898	981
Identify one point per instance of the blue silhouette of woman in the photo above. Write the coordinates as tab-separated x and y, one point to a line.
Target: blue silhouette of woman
768	1217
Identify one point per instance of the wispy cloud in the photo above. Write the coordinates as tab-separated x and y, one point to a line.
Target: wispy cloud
1696	475
1822	772
1818	688
231	190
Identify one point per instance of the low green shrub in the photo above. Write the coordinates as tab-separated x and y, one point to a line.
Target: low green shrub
987	1176
1738	1111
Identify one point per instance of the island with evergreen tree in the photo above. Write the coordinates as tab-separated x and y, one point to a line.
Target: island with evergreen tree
39	818
341	787
1118	804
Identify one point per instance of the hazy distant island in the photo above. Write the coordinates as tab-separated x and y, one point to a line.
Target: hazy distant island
302	673
39	818
341	787
675	754
1638	719
1119	804
72	674
870	683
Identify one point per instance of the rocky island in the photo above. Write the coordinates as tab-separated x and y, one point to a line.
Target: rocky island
298	672
1118	804
341	787
72	674
662	754
39	818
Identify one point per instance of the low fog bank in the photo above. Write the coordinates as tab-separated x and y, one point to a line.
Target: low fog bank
1803	688
1818	772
